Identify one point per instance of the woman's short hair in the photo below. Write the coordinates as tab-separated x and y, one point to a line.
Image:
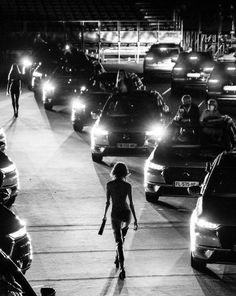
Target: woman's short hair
120	170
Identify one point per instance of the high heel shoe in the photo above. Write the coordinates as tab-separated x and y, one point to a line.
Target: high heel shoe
122	274
116	262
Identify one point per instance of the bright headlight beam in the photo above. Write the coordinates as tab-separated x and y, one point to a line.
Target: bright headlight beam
8	169
178	68
21	232
208	69
26	62
149	58
78	105
97	131
155	166
203	223
231	68
48	86
156	131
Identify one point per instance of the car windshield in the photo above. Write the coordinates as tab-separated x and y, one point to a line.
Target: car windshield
223	183
126	105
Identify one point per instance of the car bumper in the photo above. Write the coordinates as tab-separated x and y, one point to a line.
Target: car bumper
165	189
115	151
215	255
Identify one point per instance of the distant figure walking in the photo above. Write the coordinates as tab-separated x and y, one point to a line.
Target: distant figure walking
14	87
118	190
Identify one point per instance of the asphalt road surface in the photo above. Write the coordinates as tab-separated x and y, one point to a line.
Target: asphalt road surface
62	200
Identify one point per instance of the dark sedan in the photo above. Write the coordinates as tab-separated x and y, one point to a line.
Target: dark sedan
179	161
191	71
222	82
213	221
129	124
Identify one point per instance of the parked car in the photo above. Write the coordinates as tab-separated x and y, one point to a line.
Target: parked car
3	140
15	240
129	124
179	160
160	59
213	221
222	82
191	71
10	178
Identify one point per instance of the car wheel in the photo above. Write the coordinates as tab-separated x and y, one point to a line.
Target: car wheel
151	197
198	264
78	126
48	106
96	157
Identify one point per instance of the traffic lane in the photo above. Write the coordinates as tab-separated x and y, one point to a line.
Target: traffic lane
58	208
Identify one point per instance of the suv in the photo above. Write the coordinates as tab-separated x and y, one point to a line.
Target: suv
14	239
213	221
129	124
179	159
3	140
160	59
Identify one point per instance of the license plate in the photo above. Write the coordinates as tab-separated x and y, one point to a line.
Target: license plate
186	183
230	87
193	75
126	145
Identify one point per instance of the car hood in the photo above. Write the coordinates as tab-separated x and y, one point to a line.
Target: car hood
183	156
129	123
4	160
220	210
9	223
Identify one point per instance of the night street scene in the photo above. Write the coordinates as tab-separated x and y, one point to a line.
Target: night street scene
117	148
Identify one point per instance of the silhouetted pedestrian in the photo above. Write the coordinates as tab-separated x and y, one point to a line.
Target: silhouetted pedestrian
14	87
118	190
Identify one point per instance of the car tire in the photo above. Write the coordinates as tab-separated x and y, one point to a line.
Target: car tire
78	126
198	264
96	157
48	106
151	197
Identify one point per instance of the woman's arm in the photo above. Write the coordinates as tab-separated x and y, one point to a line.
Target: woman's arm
132	207
8	86
108	195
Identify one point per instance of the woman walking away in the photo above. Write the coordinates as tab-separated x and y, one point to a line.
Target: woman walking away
14	87
118	190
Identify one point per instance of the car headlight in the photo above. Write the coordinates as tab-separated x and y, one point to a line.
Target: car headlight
77	105
99	131
203	223
21	232
26	62
178	69
208	69
213	81
156	131
83	88
48	87
149	58
154	166
8	169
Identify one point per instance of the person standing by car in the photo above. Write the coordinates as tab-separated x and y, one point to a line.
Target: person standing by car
117	191
188	112
212	118
14	87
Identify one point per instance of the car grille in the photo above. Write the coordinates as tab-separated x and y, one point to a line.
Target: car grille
227	236
118	137
183	174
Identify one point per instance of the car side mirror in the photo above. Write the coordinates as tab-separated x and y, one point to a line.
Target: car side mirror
194	191
208	167
48	292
